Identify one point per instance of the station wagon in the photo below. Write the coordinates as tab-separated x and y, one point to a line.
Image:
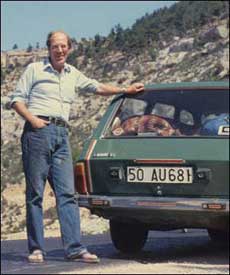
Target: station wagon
159	160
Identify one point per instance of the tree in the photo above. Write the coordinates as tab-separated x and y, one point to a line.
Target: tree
89	51
74	43
37	46
119	38
97	40
153	53
15	47
29	48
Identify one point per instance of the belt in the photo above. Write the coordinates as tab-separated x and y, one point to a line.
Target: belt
55	120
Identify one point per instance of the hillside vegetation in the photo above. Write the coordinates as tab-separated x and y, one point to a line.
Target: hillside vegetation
152	30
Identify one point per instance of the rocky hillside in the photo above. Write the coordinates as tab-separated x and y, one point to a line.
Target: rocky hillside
197	56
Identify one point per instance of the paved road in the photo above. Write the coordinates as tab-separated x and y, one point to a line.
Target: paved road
188	249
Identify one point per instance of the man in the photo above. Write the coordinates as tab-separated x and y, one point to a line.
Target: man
43	97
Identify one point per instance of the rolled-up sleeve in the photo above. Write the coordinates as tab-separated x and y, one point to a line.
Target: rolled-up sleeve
21	93
86	84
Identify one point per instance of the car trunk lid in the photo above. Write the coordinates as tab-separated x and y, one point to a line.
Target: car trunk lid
172	167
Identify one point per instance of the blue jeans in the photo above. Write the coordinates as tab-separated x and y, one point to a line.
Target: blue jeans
46	155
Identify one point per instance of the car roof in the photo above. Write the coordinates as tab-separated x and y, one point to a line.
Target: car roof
189	85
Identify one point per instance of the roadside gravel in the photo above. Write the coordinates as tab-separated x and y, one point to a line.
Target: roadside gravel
159	268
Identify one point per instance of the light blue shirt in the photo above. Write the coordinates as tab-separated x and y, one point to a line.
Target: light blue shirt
47	92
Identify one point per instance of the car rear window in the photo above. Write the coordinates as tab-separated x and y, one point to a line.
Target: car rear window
172	113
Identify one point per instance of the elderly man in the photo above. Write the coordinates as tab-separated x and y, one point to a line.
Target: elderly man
43	97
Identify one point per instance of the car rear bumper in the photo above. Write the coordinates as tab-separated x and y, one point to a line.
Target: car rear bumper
162	213
162	203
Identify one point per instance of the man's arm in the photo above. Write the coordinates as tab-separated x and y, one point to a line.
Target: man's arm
106	89
20	95
22	110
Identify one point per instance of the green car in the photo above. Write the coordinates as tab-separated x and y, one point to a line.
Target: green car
159	160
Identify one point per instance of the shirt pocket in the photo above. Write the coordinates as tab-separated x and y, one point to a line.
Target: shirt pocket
68	92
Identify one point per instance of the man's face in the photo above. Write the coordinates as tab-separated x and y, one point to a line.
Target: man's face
58	50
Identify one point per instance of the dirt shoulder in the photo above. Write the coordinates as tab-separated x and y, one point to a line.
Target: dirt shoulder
13	213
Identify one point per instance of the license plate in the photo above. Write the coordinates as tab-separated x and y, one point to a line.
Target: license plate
160	174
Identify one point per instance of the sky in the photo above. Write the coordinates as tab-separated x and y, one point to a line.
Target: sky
29	22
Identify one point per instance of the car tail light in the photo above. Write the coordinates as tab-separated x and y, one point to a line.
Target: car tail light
214	206
99	202
80	178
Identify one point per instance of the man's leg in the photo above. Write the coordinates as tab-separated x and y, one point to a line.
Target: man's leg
35	163
61	177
